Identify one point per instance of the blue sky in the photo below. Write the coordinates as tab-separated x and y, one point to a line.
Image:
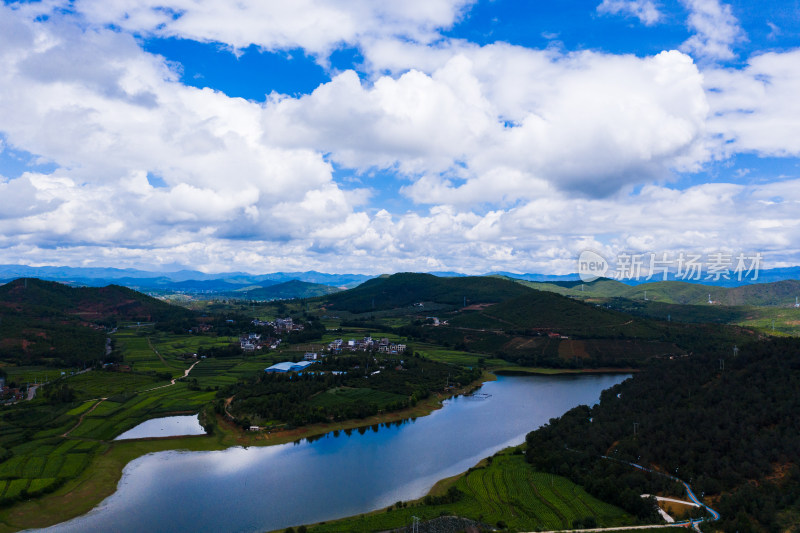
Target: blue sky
373	137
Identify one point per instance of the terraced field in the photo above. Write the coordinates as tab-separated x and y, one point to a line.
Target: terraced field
505	490
41	458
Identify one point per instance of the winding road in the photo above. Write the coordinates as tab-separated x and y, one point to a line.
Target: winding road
172	381
695	522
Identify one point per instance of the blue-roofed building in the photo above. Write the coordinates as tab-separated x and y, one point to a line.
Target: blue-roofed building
288	366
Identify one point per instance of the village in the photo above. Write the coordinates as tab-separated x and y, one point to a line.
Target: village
366	344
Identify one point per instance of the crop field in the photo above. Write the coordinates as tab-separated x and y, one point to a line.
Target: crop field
139	353
42	459
34	374
221	372
170	346
507	489
101	384
43	469
457	357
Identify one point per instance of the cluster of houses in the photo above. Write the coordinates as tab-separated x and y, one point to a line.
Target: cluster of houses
254	341
367	344
281	325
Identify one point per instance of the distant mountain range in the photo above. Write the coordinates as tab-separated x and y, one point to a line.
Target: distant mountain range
237	283
190	281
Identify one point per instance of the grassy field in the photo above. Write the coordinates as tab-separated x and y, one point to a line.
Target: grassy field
456	357
49	445
35	374
503	489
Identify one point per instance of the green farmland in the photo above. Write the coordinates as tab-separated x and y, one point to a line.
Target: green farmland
48	444
503	489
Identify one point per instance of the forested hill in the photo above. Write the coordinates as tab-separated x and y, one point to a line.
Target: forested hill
288	290
44	322
35	297
778	293
405	289
732	433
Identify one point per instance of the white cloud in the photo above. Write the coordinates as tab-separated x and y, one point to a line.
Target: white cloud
106	127
756	108
508	121
20	198
521	157
715	28
645	10
316	26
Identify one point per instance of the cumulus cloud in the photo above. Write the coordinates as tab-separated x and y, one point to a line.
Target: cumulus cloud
20	198
756	109
514	158
107	127
645	10
316	26
507	122
716	30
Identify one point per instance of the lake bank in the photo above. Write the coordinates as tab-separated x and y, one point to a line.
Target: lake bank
524	371
339	474
101	478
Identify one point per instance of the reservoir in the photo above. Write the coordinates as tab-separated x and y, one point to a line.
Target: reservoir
168	426
335	475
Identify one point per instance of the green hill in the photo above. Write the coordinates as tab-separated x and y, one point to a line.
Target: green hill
34	297
547	311
778	293
406	289
546	329
48	322
288	290
731	433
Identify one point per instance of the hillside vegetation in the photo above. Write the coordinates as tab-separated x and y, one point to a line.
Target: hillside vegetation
406	289
733	434
288	290
52	323
778	293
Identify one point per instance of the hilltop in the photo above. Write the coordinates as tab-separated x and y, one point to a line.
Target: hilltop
519	324
288	290
406	289
35	297
45	321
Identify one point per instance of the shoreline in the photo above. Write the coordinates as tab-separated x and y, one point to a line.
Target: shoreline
540	371
80	495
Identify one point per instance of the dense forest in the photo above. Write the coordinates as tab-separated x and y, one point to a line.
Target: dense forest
343	387
729	425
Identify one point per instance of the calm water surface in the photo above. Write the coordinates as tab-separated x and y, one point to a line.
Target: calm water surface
168	426
337	475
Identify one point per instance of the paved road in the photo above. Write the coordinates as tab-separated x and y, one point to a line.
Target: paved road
695	522
32	392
